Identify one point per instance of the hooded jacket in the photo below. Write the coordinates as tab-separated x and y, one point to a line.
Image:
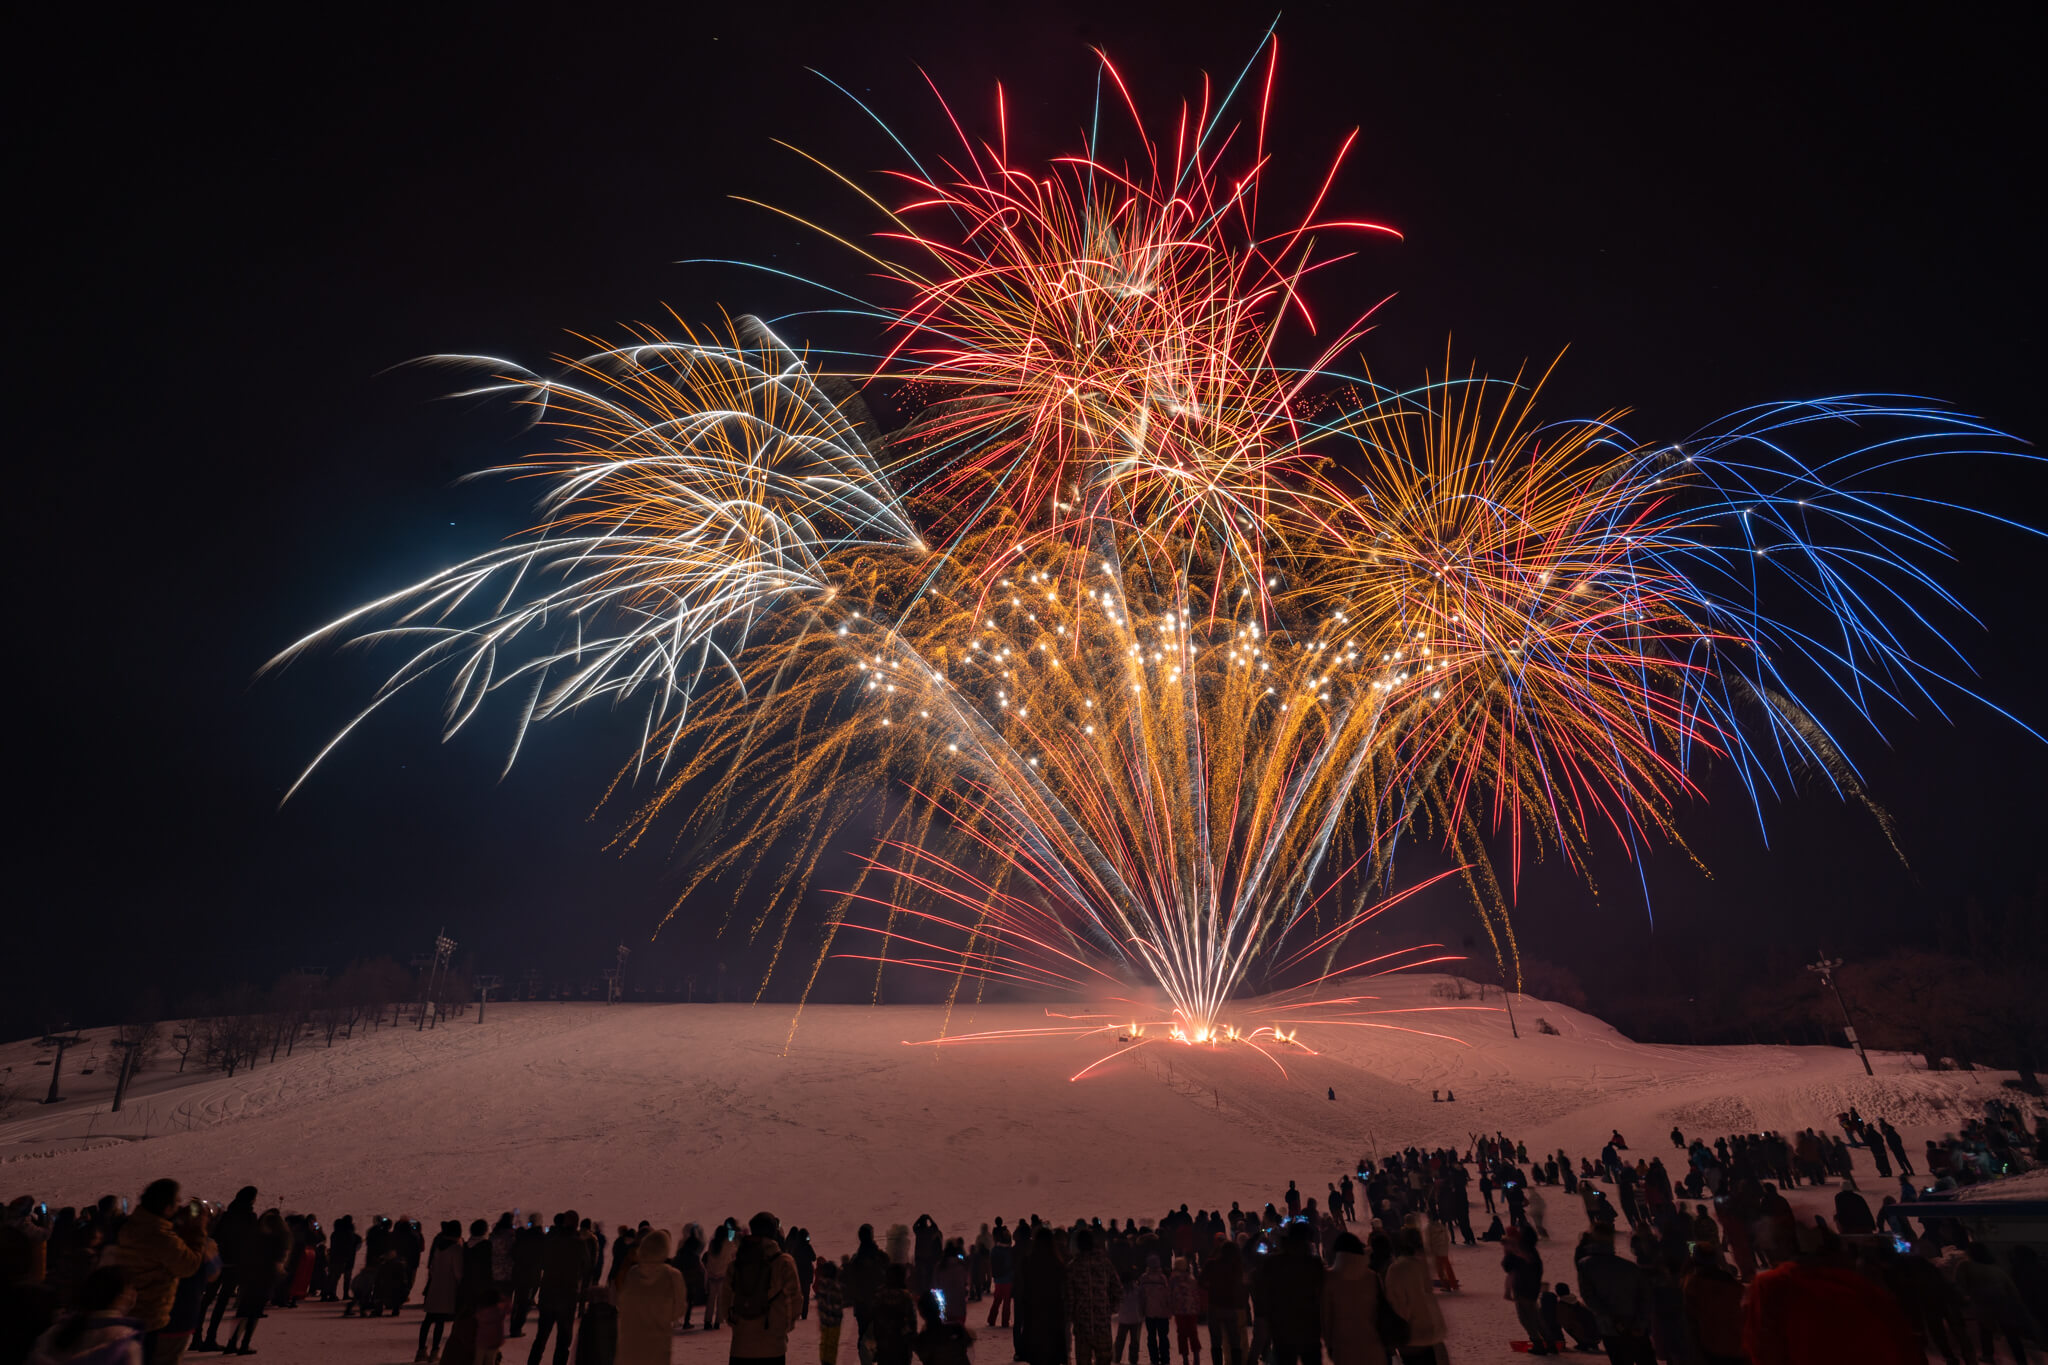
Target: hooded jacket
1351	1299
156	1257
768	1334
651	1297
1409	1294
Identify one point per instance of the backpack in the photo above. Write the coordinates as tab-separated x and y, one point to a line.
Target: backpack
752	1281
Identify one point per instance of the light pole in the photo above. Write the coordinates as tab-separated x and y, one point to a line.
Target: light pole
485	985
1825	969
444	948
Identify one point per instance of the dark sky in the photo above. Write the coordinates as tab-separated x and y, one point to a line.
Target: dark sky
229	231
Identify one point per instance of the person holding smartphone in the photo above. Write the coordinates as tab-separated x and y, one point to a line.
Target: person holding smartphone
156	1254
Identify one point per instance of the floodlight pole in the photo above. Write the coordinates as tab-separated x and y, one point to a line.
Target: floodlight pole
1825	969
444	948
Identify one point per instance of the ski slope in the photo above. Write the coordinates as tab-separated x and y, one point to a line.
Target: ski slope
694	1112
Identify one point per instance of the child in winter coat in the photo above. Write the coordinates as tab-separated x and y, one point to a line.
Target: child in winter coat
1184	1299
1436	1239
1130	1322
1155	1298
831	1310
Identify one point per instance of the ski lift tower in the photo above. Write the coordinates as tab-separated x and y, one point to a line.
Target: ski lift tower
615	977
1825	970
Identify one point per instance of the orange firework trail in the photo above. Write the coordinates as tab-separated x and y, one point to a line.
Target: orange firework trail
1169	627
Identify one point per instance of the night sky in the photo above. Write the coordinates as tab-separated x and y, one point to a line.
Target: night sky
229	234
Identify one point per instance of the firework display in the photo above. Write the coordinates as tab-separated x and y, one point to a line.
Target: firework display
1132	655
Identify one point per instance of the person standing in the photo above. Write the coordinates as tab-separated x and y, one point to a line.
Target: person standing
1351	1306
1524	1267
1040	1337
263	1254
1436	1239
1093	1295
342	1246
953	1282
1409	1295
652	1298
1002	1273
865	1277
1897	1144
444	1277
1618	1292
761	1295
155	1256
1223	1286
894	1317
1155	1301
1184	1301
831	1309
231	1232
1713	1307
717	1261
1287	1299
564	1274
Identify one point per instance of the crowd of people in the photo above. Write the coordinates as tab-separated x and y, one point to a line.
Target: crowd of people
1706	1266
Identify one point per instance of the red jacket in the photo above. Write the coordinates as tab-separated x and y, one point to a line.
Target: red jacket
1799	1314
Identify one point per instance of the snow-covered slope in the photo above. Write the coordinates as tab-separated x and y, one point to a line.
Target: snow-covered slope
693	1112
710	1108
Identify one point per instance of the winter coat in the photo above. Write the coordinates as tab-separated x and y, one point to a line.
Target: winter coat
1409	1294
1130	1311
1351	1299
502	1242
1713	1309
1287	1296
1524	1265
718	1260
893	1321
952	1282
1154	1294
1436	1238
690	1262
1040	1296
830	1304
1616	1290
1002	1261
1223	1282
767	1334
529	1255
1799	1313
564	1270
107	1341
232	1229
1093	1295
156	1257
444	1275
651	1298
1184	1294
597	1335
864	1276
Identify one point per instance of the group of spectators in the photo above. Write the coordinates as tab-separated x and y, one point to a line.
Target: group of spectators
1707	1268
